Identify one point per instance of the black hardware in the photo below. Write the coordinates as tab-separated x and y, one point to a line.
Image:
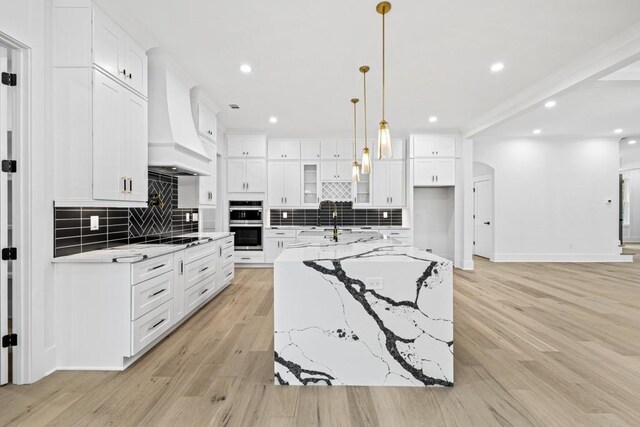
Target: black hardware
158	292
10	340
130	75
487	223
9	79
474	242
154	326
9	166
204	291
9	254
204	269
156	267
130	185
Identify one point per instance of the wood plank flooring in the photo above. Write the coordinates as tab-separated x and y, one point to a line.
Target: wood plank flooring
535	345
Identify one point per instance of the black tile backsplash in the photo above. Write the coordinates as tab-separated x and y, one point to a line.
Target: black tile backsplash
122	226
347	216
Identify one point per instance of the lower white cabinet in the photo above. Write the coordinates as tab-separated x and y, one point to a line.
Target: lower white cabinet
276	241
109	313
434	172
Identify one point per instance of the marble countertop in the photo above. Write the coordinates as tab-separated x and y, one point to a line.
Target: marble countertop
346	227
385	250
138	252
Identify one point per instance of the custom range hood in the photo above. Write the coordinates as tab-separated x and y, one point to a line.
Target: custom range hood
174	145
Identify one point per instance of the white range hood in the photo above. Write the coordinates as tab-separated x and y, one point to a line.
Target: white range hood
174	145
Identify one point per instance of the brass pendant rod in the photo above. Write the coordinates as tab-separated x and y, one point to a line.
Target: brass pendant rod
354	130
364	74
383	66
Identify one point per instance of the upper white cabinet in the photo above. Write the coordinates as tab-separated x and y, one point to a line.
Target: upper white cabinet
389	183
246	146
433	146
434	172
117	53
204	116
195	191
341	149
246	175
310	149
284	184
335	171
284	149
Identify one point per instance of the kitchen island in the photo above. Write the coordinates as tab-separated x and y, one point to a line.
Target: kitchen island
368	311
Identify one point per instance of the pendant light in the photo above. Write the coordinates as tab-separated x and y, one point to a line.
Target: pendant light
366	156
355	175
384	138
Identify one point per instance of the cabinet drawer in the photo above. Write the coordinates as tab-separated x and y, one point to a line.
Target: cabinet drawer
227	274
280	233
198	270
227	242
150	294
243	258
227	256
396	234
151	326
153	267
199	251
199	293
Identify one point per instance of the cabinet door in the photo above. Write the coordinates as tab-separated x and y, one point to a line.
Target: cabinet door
423	146
444	146
398	148
212	125
291	149
256	173
178	285
235	147
396	173
380	183
310	149
256	147
236	175
275	148
424	172
108	41
328	149
343	170
344	149
275	181
108	178
135	66
311	183
328	171
202	119
292	184
446	172
272	249
135	146
207	184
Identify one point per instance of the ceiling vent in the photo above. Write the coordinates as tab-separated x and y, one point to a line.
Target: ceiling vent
234	106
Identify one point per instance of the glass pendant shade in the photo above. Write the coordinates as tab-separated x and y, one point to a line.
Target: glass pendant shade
366	161
384	141
355	174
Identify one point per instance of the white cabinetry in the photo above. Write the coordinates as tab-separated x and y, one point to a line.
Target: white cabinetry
335	171
195	191
433	146
310	149
310	183
389	183
246	146
284	184
281	149
276	241
341	149
434	172
246	176
206	121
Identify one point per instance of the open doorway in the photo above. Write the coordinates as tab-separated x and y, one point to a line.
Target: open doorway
483	239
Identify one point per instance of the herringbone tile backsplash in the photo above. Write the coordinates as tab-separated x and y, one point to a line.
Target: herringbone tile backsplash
121	226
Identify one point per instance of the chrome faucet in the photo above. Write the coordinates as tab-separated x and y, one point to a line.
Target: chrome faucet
334	214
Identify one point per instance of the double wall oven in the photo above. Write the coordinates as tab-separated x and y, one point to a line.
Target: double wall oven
245	220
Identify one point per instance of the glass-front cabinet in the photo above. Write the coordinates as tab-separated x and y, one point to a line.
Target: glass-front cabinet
310	183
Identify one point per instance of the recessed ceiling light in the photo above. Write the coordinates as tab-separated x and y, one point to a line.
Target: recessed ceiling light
433	119
497	67
245	68
273	119
633	141
537	132
618	131
550	104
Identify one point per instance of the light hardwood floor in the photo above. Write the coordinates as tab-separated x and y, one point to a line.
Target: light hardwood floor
535	344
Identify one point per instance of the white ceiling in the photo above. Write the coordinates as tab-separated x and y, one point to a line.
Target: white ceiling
306	55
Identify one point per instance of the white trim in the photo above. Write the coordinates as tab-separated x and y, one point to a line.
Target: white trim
562	258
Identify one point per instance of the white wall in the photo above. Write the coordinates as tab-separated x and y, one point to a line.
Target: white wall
551	198
632	177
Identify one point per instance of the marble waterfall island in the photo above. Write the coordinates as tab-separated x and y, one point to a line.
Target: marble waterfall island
368	312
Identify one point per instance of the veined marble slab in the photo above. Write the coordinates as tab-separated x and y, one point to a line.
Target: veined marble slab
330	329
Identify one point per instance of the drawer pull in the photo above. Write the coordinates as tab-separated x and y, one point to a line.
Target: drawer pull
157	293
157	324
244	258
204	291
204	269
230	255
156	267
229	273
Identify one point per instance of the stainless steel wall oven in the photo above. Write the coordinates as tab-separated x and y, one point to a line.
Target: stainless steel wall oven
245	220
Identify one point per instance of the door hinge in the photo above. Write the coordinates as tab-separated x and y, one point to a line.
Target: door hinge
10	340
9	166
9	79
9	254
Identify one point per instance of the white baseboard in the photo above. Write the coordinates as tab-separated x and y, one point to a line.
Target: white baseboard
467	264
562	258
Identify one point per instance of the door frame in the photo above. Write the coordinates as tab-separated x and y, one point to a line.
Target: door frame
477	179
21	213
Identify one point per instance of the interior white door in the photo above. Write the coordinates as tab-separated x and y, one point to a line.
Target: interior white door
4	273
483	202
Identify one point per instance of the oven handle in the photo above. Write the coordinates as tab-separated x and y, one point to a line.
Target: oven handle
244	209
245	225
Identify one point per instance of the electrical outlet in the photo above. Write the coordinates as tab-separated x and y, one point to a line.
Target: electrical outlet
187	217
194	217
385	215
373	283
285	215
95	223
